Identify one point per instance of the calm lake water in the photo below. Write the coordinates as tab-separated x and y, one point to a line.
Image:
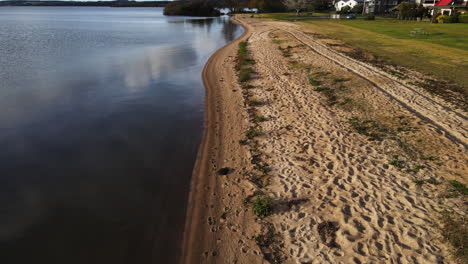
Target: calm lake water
101	114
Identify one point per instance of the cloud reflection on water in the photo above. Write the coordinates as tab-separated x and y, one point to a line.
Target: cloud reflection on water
99	143
153	63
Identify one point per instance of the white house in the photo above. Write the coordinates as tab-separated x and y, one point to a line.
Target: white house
369	6
351	3
445	6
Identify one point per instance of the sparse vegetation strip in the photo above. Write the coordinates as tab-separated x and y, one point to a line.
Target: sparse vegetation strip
260	203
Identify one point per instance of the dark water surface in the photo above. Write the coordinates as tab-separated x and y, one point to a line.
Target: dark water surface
101	114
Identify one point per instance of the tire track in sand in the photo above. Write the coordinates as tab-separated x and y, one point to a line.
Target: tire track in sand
454	124
370	211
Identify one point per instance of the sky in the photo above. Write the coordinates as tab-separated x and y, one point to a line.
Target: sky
85	0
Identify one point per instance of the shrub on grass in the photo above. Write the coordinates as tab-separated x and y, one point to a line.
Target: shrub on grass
345	10
446	19
463	18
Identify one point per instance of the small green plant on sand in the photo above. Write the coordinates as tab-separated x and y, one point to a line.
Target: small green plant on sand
313	81
243	142
243	47
245	74
254	102
371	128
456	188
262	206
260	118
418	182
396	163
431	158
321	89
242	55
337	80
253	132
263	167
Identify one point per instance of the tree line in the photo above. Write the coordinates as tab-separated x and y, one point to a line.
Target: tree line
269	6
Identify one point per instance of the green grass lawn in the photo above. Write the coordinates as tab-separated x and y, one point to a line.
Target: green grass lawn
450	35
442	50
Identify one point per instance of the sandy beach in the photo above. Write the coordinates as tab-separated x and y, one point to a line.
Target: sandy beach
359	164
206	235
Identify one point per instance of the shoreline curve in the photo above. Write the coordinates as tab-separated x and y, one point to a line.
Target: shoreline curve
194	234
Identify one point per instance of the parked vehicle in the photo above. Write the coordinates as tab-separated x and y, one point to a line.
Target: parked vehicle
351	16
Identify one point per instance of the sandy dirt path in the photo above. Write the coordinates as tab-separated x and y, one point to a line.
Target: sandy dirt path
335	197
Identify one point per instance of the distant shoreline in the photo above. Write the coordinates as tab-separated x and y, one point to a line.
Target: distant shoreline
85	4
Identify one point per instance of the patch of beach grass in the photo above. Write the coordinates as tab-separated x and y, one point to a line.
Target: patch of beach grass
430	158
245	74
260	118
370	128
256	102
338	80
243	142
254	132
455	230
396	163
314	81
262	206
278	41
456	189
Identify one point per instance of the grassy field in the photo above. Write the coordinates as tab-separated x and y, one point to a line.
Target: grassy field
442	49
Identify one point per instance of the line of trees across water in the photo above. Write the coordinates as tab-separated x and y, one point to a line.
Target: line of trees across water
211	7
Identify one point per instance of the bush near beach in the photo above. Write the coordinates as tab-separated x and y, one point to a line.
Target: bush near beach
191	8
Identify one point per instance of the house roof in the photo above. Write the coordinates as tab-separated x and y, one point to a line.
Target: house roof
443	2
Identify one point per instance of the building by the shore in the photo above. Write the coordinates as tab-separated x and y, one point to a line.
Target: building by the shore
446	7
